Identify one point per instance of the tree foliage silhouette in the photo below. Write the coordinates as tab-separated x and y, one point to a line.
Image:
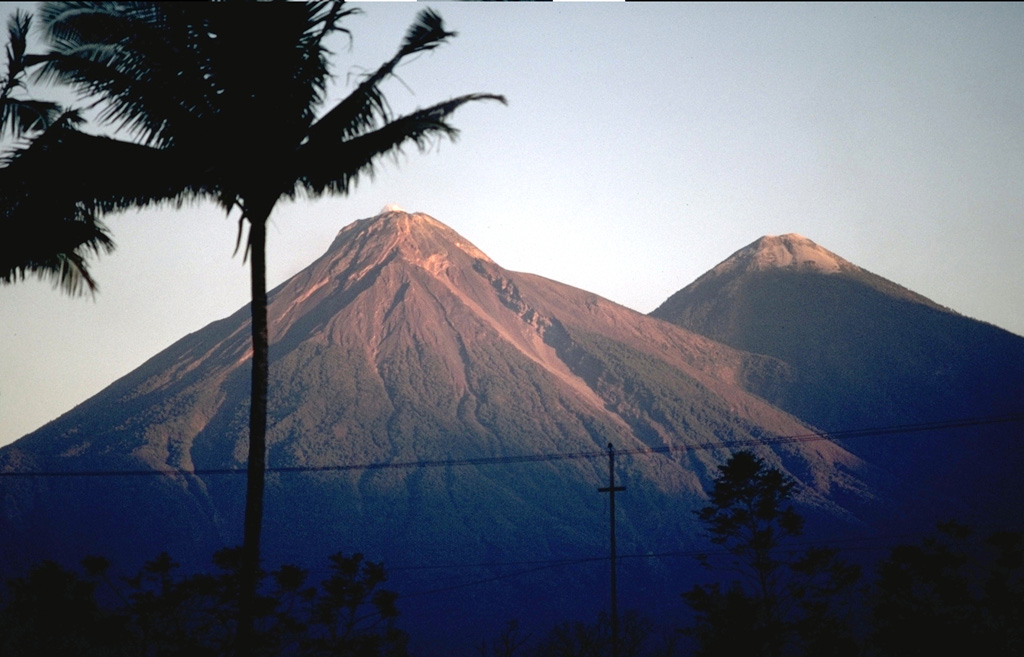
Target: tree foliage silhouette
580	639
951	593
51	246
218	101
52	611
782	600
749	514
158	611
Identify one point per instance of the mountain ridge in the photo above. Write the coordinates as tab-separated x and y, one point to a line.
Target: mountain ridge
371	296
859	351
789	252
405	365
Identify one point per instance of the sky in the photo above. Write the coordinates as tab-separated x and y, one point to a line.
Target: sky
642	145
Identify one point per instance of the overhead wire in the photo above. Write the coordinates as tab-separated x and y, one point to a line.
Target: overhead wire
545	564
544	457
843	545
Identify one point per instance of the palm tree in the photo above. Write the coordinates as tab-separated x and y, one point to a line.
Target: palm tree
52	247
222	105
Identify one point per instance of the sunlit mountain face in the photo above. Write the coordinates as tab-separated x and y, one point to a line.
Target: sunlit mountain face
432	410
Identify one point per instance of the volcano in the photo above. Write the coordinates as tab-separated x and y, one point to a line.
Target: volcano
860	352
454	419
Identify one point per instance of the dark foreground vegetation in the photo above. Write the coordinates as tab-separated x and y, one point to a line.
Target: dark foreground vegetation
53	611
952	592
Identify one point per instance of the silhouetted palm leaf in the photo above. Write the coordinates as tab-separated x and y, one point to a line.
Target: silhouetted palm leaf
19	115
332	163
366	107
53	246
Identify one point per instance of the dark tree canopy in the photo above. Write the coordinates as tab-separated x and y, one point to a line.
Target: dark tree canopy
750	513
784	602
159	611
951	593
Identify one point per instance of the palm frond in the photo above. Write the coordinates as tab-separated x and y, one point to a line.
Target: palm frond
426	33
327	18
58	252
366	107
126	55
54	189
167	72
333	163
85	21
91	173
19	116
17	39
324	19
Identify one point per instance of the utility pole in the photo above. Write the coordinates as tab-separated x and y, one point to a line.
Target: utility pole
611	490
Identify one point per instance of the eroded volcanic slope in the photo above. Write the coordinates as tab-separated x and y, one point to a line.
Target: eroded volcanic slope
407	354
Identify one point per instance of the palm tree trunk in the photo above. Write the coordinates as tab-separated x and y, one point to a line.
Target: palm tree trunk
257	439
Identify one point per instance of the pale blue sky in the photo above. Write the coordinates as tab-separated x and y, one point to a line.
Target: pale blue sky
642	145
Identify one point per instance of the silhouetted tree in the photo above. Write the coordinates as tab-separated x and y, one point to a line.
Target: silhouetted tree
50	247
728	620
783	601
510	642
218	104
823	589
18	114
951	594
637	638
340	615
579	639
53	611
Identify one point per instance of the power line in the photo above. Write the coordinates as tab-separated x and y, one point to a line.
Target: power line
534	458
496	564
843	544
536	565
852	543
